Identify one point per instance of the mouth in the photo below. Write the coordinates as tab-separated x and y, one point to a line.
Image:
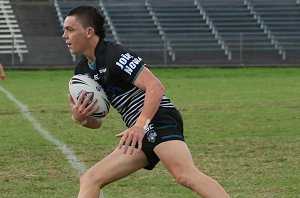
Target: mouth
68	44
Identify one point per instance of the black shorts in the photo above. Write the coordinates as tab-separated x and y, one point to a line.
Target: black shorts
166	125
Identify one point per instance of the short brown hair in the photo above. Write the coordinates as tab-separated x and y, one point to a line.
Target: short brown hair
90	17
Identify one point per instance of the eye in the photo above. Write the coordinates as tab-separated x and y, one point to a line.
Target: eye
68	29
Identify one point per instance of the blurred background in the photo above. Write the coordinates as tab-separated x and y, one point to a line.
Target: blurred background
165	33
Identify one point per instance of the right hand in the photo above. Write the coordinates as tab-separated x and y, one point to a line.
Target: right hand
80	110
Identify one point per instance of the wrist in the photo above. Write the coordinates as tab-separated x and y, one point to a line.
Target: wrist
142	121
84	122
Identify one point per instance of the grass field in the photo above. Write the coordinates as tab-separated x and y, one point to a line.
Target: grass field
242	126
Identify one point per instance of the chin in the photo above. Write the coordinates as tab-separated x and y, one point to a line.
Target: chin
73	52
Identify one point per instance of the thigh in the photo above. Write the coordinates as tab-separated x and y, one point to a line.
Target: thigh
176	156
165	126
117	165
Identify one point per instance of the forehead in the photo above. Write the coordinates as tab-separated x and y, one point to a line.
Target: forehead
71	21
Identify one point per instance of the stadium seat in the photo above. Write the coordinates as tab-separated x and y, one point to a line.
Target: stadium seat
282	20
11	38
178	31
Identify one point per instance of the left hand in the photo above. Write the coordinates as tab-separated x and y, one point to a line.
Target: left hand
131	137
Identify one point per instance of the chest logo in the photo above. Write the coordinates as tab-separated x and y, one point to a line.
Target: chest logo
128	63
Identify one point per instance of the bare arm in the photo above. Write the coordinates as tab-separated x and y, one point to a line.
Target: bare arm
154	92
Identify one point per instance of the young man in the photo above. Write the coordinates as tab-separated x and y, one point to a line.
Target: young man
155	128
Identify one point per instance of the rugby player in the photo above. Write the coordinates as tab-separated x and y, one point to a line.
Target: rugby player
155	126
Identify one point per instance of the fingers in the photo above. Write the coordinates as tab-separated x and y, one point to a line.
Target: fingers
123	139
128	143
84	99
90	108
120	134
133	143
84	106
131	138
80	99
140	143
70	99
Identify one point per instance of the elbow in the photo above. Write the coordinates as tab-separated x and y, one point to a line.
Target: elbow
161	89
97	126
155	88
94	123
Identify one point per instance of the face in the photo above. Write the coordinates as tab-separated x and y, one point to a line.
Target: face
75	35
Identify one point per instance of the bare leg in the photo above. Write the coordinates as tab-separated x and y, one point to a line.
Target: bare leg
114	167
176	156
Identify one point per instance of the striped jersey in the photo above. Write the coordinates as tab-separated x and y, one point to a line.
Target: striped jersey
116	69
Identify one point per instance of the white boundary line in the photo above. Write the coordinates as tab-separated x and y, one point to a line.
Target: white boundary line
68	153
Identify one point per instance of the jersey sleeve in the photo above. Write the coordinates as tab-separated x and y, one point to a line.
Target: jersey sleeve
126	64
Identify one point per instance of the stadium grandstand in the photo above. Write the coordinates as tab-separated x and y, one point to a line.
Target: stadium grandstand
11	38
166	32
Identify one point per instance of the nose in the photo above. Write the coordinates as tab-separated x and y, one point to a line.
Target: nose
64	36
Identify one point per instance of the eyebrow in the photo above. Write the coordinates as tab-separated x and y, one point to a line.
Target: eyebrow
68	27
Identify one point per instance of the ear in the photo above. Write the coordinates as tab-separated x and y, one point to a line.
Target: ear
90	32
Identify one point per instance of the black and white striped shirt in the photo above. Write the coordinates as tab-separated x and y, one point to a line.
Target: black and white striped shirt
130	104
116	70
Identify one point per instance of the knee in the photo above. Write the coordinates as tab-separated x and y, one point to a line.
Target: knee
90	179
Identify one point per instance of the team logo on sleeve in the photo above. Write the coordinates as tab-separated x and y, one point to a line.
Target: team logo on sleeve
128	63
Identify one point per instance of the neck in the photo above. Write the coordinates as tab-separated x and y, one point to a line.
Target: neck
90	53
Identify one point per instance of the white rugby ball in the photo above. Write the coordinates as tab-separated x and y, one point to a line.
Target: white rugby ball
80	83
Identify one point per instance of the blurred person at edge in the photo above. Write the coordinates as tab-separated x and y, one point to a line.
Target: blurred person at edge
2	73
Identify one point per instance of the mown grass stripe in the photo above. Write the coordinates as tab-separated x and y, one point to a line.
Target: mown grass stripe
79	166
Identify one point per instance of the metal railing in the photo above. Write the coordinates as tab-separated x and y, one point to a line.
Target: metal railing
13	32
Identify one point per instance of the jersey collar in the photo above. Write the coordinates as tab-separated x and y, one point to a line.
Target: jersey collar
100	47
